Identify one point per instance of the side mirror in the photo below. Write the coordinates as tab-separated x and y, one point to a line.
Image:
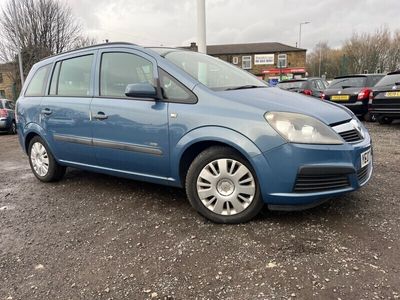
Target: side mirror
141	90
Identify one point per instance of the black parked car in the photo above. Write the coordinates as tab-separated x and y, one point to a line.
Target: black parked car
308	86
353	92
385	98
7	116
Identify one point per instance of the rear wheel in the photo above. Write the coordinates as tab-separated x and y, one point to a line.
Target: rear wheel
13	128
222	186
385	120
369	117
42	162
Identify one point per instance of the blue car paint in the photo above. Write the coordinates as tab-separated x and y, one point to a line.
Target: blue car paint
235	118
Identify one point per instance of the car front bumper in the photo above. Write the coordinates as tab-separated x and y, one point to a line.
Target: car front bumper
325	170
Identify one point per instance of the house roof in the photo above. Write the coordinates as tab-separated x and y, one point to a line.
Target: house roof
250	48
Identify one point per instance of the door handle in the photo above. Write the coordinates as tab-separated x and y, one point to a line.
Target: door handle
46	111
100	116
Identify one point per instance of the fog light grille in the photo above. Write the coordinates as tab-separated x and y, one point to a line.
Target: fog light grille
320	183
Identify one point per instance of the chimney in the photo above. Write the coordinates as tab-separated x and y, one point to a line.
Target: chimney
193	47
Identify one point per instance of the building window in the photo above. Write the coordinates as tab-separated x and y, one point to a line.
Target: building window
2	94
282	60
1	77
246	62
235	60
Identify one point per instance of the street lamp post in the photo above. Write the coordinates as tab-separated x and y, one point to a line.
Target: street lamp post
302	23
201	26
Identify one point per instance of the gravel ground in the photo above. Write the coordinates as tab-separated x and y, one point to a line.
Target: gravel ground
93	236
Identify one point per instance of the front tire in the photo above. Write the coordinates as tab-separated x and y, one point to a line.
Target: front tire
222	186
42	162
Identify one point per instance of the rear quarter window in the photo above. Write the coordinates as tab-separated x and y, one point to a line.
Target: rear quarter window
37	85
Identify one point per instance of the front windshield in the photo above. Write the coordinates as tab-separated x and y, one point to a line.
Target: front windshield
212	72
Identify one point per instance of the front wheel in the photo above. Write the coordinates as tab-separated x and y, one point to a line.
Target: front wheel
42	162
222	186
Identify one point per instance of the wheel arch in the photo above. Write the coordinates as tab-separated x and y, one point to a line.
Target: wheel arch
196	141
30	131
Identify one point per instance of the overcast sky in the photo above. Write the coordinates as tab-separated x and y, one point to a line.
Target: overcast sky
173	22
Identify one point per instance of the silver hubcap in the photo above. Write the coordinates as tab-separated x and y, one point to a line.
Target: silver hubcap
226	186
39	159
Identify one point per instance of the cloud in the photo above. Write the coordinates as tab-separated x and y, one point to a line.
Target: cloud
173	22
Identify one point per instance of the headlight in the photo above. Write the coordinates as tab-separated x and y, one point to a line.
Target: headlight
298	128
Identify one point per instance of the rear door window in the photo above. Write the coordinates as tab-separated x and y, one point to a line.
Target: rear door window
1	104
72	77
38	82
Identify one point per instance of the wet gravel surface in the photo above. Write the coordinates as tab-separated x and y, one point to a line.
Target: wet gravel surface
93	236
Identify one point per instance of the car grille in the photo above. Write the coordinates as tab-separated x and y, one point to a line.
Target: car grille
320	183
349	131
351	136
362	174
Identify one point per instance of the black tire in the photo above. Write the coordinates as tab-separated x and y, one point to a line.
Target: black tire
385	120
13	128
55	171
202	160
369	117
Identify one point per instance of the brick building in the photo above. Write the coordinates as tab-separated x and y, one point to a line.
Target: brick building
7	84
268	61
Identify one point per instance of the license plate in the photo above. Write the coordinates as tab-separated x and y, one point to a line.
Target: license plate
366	158
392	94
340	97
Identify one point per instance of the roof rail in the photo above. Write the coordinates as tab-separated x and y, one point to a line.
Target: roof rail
93	46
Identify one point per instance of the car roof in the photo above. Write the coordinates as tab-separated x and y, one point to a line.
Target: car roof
300	79
83	49
359	75
394	72
148	50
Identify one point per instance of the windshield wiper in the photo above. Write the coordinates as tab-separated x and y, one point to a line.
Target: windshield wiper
242	87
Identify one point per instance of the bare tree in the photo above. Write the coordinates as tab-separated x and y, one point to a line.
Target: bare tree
366	52
369	52
324	60
39	28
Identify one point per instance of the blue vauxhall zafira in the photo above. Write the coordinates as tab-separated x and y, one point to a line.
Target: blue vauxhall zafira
181	118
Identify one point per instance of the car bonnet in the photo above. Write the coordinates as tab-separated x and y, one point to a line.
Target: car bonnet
275	99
